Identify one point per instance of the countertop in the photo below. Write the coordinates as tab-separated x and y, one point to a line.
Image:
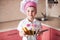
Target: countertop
52	22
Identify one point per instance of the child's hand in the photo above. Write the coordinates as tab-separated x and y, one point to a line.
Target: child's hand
26	31
21	33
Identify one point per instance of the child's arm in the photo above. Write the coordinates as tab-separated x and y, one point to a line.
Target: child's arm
19	28
40	32
21	33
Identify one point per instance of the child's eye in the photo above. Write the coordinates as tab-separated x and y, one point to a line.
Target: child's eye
32	11
28	10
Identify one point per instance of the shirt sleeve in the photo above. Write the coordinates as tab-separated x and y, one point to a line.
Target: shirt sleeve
19	28
39	26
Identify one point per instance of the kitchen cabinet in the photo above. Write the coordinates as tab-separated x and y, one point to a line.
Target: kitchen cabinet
46	34
51	34
10	35
55	34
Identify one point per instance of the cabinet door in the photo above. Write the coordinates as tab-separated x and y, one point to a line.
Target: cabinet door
46	34
10	35
55	34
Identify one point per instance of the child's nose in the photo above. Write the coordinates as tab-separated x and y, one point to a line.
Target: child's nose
30	13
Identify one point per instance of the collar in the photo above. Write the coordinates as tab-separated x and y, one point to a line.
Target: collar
29	21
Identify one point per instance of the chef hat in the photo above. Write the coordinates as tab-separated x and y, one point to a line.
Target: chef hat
26	3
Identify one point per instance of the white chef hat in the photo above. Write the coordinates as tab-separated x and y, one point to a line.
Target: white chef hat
26	3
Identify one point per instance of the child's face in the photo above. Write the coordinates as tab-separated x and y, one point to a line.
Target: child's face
31	12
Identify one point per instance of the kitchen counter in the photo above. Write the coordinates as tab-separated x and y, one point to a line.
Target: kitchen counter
52	22
10	25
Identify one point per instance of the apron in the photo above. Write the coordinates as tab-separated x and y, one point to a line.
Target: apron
29	37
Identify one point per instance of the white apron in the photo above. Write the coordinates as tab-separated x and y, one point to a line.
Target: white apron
29	37
24	23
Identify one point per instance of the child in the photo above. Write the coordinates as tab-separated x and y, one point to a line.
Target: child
29	27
